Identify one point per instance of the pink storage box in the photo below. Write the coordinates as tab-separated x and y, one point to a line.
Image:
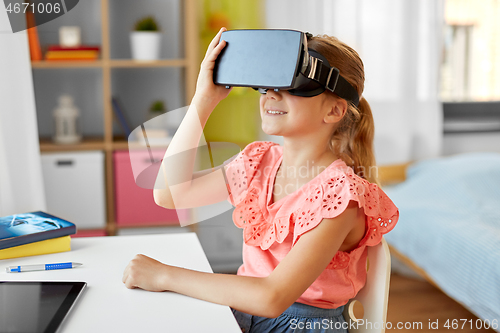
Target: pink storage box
134	205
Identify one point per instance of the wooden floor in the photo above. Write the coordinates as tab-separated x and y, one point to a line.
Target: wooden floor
417	304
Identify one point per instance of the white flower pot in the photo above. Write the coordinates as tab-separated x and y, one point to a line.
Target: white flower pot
145	45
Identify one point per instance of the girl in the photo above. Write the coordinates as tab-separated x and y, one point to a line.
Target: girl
307	217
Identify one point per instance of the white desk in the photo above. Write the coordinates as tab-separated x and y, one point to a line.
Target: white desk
108	306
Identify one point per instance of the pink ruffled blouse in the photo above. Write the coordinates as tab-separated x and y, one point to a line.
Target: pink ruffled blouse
270	229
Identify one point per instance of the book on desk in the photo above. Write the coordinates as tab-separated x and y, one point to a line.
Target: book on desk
34	233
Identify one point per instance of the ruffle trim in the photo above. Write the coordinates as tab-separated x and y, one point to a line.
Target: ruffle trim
331	198
328	200
241	169
256	231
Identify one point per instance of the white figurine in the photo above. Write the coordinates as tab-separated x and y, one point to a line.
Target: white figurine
66	120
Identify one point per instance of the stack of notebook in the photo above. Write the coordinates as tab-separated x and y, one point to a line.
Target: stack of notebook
83	52
34	233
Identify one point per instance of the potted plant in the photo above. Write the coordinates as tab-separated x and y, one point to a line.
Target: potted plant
145	39
157	126
156	109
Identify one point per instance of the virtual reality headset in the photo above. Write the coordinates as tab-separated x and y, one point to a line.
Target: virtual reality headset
278	60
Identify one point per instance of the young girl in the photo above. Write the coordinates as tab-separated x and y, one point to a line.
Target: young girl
307	216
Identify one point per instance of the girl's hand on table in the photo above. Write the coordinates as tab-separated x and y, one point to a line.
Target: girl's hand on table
145	273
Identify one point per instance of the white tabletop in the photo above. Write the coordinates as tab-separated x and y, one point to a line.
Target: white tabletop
108	306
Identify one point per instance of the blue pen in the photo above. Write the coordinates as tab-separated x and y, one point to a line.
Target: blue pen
41	267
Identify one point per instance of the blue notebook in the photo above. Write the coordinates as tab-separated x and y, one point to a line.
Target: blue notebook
20	229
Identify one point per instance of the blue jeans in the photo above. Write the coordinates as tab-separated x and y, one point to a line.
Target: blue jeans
297	318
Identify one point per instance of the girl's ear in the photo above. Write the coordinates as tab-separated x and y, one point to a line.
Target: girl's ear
337	111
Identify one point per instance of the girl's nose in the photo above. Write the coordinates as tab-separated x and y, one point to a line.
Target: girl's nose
272	94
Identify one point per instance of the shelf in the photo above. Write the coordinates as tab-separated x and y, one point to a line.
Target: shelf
120	145
129	63
116	63
67	64
89	233
93	83
124	145
150	225
46	145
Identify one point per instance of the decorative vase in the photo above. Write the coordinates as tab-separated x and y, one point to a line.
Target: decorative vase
145	45
66	121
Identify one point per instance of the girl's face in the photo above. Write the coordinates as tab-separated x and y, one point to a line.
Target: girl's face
288	115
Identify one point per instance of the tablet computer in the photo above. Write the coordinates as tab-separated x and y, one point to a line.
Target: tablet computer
36	307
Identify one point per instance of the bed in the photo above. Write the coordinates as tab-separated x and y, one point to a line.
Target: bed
449	226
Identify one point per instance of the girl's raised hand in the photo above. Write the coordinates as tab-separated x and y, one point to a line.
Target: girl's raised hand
208	94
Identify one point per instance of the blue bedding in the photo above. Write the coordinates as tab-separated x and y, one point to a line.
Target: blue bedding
450	226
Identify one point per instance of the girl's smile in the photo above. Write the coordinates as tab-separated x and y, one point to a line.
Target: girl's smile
288	115
275	113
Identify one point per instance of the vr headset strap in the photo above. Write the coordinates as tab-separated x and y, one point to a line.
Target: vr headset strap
331	79
345	90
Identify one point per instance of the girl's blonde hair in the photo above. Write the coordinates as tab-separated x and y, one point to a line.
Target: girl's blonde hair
352	139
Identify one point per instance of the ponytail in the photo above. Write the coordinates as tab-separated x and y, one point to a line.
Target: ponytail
352	139
361	144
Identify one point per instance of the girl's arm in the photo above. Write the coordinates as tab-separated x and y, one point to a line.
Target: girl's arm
266	297
208	186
